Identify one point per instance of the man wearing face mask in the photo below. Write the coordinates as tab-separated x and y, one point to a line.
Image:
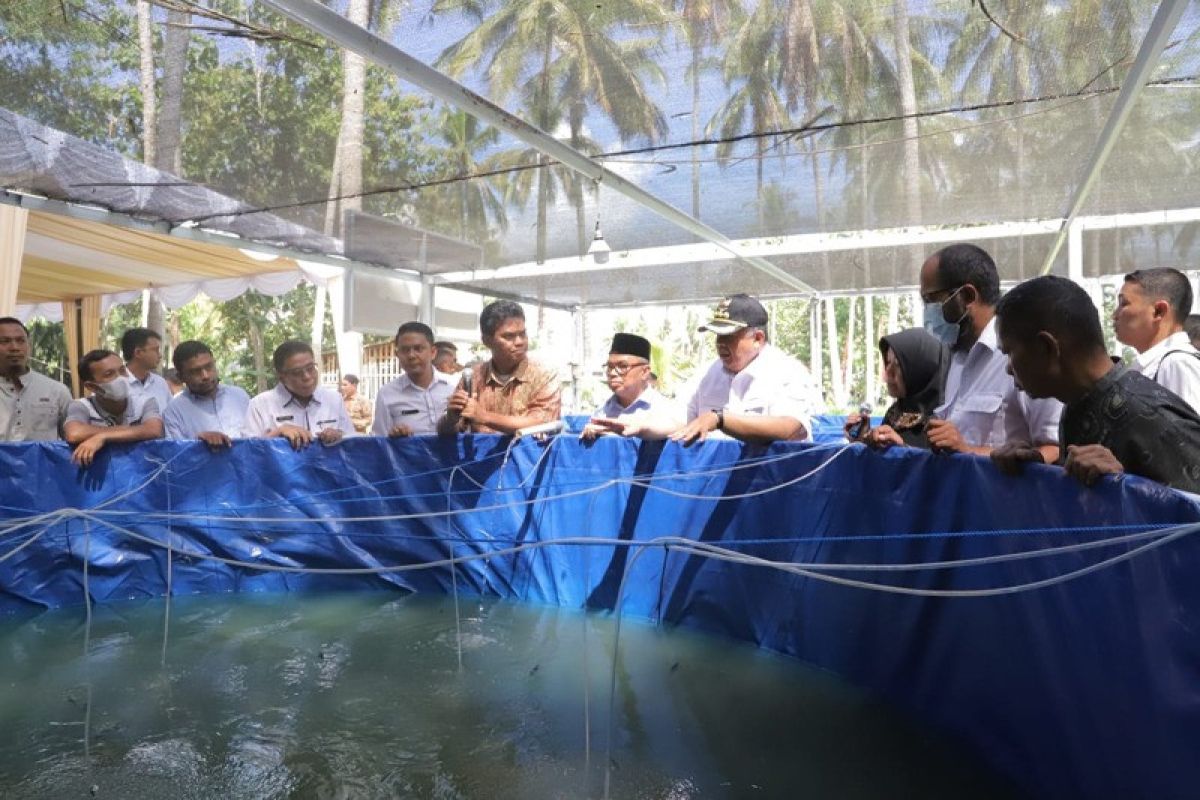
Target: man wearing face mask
112	412
753	392
981	408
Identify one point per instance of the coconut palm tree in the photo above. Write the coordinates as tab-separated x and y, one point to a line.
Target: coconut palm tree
563	58
704	23
477	201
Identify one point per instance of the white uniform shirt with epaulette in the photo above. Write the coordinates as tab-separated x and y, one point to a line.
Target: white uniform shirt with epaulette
772	385
402	402
278	406
35	411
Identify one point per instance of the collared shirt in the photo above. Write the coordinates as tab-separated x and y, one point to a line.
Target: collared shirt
358	408
1151	431
155	385
190	415
138	409
278	406
402	402
985	404
650	404
772	385
532	390
35	412
1175	364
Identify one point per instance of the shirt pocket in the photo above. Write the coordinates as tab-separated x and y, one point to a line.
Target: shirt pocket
982	419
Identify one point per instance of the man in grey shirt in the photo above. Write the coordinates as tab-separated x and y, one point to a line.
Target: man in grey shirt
112	412
32	406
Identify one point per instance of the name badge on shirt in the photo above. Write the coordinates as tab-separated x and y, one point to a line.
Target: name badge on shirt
288	418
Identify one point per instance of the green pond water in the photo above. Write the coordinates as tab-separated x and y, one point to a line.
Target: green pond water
361	695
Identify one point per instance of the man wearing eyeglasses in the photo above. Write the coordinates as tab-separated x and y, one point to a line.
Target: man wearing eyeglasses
634	409
299	409
981	409
754	391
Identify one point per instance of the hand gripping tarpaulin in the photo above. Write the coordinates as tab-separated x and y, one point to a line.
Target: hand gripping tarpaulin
1086	688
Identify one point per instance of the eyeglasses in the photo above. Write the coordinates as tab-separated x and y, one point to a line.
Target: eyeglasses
300	372
928	298
622	368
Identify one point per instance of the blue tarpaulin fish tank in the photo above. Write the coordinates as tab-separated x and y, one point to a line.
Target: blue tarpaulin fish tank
1043	628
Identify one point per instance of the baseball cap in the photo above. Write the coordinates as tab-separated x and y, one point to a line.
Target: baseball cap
734	313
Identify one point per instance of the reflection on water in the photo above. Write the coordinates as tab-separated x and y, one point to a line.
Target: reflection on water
360	695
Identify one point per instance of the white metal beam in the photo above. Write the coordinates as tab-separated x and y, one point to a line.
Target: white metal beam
1164	22
337	28
796	244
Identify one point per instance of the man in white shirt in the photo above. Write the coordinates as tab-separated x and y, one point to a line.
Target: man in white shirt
982	409
753	391
1152	307
142	350
299	409
33	407
112	413
206	409
634	408
412	404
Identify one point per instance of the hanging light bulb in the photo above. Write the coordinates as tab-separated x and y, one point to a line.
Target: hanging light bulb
599	250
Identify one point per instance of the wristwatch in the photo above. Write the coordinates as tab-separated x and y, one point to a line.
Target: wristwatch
720	417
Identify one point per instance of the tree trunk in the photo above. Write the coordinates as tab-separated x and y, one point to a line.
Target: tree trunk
260	357
696	53
835	369
815	363
149	91
870	374
168	154
317	332
908	107
543	112
851	341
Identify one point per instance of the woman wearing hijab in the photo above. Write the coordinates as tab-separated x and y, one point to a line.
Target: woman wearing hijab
914	368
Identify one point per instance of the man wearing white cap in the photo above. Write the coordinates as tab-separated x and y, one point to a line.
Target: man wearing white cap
754	391
635	408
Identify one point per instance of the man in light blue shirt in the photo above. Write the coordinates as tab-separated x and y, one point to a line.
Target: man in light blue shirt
205	409
412	404
142	350
634	408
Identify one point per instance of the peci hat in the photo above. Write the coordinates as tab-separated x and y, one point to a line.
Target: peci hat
734	313
630	344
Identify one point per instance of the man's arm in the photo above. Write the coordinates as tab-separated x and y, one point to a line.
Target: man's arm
748	428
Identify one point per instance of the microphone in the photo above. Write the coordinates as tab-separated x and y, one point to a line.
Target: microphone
465	383
864	424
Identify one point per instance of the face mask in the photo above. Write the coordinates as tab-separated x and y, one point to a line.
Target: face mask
117	389
936	324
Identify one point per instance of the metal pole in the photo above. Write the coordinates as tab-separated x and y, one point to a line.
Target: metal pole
345	33
1164	22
